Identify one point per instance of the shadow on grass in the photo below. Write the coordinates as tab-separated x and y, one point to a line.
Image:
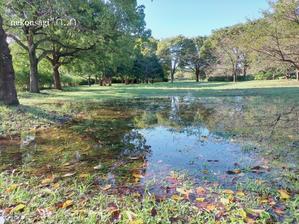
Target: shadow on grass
39	113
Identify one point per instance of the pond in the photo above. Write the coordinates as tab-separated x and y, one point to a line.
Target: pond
145	142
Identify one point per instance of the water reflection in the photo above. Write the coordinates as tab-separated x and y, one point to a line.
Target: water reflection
147	139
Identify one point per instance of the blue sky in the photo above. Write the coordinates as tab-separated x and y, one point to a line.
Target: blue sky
167	18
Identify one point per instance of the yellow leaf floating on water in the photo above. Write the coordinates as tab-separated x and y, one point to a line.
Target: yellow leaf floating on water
227	191
284	194
67	204
18	208
200	199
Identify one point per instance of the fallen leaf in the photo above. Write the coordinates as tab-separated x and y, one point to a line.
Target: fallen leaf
134	158
84	175
138	176
137	221
18	208
284	194
48	181
255	211
177	197
11	188
227	191
210	207
98	167
67	204
279	211
200	199
113	209
44	212
56	185
250	221
200	190
240	193
131	215
224	201
242	213
69	174
107	187
181	191
232	172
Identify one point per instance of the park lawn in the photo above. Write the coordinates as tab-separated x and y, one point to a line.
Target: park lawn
70	200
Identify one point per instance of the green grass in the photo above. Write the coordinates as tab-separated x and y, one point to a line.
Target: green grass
82	93
43	202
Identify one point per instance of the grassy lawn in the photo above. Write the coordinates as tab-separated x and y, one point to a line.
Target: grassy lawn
165	89
66	199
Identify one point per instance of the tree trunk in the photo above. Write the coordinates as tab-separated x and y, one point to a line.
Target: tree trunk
245	71
172	76
297	74
235	76
197	74
56	76
89	81
34	87
8	91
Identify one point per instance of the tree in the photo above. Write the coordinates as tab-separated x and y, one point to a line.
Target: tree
228	51
192	56
170	54
8	92
277	34
31	20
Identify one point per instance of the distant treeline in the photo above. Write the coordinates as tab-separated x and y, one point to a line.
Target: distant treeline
70	42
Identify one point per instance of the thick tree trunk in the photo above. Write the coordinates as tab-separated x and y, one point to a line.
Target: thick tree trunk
8	91
297	74
197	74
34	87
56	77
